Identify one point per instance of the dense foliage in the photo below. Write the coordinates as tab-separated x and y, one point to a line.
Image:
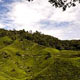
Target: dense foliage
64	3
41	39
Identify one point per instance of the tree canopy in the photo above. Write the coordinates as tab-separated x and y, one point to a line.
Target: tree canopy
63	3
41	39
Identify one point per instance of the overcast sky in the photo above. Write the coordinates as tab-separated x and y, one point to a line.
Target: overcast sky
40	15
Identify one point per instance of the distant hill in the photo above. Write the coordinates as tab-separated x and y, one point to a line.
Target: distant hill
41	39
35	56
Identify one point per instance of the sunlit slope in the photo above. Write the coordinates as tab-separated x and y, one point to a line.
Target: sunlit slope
4	41
25	60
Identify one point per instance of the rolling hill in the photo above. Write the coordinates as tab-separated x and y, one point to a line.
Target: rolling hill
23	59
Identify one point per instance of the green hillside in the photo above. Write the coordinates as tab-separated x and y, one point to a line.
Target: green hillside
24	59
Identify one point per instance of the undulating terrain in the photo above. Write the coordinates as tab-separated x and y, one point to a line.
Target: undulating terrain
22	58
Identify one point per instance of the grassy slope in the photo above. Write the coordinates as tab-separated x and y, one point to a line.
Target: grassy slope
25	60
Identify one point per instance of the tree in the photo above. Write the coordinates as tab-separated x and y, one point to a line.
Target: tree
62	3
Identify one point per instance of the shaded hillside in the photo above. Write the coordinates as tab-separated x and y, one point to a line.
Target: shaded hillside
41	39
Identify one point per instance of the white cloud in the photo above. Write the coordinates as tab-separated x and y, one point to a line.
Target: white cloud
28	16
1	25
1	0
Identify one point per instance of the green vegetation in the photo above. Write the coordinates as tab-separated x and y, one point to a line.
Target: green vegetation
35	56
39	38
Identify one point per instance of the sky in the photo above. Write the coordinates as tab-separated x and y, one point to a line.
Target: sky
40	15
